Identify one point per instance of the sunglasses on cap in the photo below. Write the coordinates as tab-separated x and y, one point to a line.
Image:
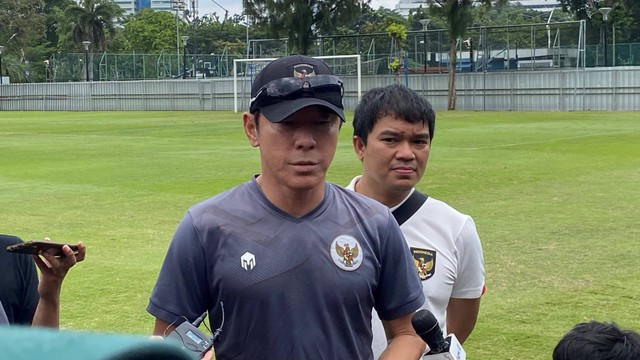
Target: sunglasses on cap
325	87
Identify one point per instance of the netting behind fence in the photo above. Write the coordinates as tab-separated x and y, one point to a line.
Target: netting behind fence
495	48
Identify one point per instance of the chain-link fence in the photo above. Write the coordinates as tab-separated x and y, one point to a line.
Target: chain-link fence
491	48
132	66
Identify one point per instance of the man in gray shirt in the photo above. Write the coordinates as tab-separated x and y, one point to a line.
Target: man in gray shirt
293	264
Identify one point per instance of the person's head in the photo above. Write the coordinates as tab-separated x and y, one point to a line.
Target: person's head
393	127
598	341
295	115
396	101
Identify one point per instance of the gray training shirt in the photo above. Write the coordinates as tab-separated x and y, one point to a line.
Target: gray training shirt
292	288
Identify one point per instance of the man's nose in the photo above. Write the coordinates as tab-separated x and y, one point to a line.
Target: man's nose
305	138
405	151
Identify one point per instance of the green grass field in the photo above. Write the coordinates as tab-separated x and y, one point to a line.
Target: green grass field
555	196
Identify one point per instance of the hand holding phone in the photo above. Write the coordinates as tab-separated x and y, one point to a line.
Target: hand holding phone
36	247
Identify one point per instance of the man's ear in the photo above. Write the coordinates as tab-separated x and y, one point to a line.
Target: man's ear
359	147
250	129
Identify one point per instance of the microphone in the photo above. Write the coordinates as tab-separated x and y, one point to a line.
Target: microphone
191	337
440	348
200	319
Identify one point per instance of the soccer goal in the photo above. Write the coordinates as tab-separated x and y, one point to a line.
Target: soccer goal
245	70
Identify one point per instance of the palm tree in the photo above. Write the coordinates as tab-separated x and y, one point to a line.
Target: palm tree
459	16
301	21
16	69
94	22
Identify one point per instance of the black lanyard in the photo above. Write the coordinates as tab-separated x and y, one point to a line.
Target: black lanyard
409	207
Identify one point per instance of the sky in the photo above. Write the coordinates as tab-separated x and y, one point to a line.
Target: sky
235	6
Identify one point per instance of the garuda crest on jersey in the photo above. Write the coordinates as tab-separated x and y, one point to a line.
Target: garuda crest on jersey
425	262
346	253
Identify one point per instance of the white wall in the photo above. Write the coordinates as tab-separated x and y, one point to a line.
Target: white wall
610	89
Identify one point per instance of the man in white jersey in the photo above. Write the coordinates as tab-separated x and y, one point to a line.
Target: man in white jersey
287	265
393	129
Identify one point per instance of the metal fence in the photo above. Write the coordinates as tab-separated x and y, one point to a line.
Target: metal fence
133	66
494	48
612	89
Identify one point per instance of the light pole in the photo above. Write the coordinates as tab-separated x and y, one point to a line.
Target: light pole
425	23
47	71
605	16
86	44
1	48
246	24
178	5
184	55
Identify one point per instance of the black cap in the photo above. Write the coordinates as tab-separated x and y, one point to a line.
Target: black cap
293	66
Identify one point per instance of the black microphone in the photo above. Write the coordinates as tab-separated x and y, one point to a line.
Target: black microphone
200	319
191	337
426	326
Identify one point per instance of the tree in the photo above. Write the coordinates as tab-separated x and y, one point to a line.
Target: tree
150	31
398	34
21	33
302	21
372	21
459	15
625	15
21	23
54	13
210	35
582	9
93	20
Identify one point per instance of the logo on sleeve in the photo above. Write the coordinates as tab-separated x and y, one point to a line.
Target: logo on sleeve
425	261
346	253
248	261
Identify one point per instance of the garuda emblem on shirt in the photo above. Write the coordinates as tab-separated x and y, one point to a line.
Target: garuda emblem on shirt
345	253
425	262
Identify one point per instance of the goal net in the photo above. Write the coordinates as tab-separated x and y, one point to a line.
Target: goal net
245	71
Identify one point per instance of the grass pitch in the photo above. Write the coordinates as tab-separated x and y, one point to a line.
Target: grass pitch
555	197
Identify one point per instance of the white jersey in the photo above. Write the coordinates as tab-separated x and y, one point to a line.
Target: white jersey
448	257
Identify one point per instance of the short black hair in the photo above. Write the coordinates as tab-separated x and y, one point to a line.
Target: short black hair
598	341
394	100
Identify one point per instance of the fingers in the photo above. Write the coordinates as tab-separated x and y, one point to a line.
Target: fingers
69	253
47	262
208	355
82	251
44	267
69	258
58	266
